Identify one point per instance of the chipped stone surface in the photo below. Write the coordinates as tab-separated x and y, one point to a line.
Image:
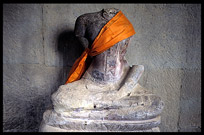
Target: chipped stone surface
167	43
139	105
102	106
102	127
99	125
139	111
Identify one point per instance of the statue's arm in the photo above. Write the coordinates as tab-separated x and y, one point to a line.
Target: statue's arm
79	31
132	79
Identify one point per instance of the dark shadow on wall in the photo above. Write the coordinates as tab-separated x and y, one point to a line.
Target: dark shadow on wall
70	48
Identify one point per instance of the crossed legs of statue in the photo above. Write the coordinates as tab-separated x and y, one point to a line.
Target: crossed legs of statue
84	100
90	95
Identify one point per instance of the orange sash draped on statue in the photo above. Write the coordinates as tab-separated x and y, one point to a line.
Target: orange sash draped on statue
117	29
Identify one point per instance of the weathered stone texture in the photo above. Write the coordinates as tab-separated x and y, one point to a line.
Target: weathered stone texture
190	104
61	47
27	93
166	83
167	36
22	34
93	125
39	48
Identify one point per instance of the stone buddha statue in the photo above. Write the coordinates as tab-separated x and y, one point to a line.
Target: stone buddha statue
109	66
108	94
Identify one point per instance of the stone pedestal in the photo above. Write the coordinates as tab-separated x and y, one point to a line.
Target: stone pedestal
85	125
138	112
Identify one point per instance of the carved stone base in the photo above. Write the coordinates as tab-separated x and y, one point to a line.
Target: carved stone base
138	112
82	125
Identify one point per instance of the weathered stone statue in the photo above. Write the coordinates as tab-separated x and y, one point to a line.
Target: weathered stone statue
107	97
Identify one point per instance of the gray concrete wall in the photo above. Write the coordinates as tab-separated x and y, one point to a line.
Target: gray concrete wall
39	49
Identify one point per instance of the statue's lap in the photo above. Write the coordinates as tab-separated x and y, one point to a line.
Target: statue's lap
80	101
84	97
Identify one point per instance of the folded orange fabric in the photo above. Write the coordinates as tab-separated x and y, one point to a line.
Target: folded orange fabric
117	29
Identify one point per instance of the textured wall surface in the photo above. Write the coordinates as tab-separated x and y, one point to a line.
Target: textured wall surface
39	49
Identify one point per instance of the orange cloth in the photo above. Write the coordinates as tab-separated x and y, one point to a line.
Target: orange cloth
117	29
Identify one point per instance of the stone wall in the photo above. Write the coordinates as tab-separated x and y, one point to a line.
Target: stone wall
39	49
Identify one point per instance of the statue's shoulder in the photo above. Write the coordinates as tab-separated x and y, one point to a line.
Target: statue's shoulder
87	16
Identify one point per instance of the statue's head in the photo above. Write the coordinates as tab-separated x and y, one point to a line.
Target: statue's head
110	12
